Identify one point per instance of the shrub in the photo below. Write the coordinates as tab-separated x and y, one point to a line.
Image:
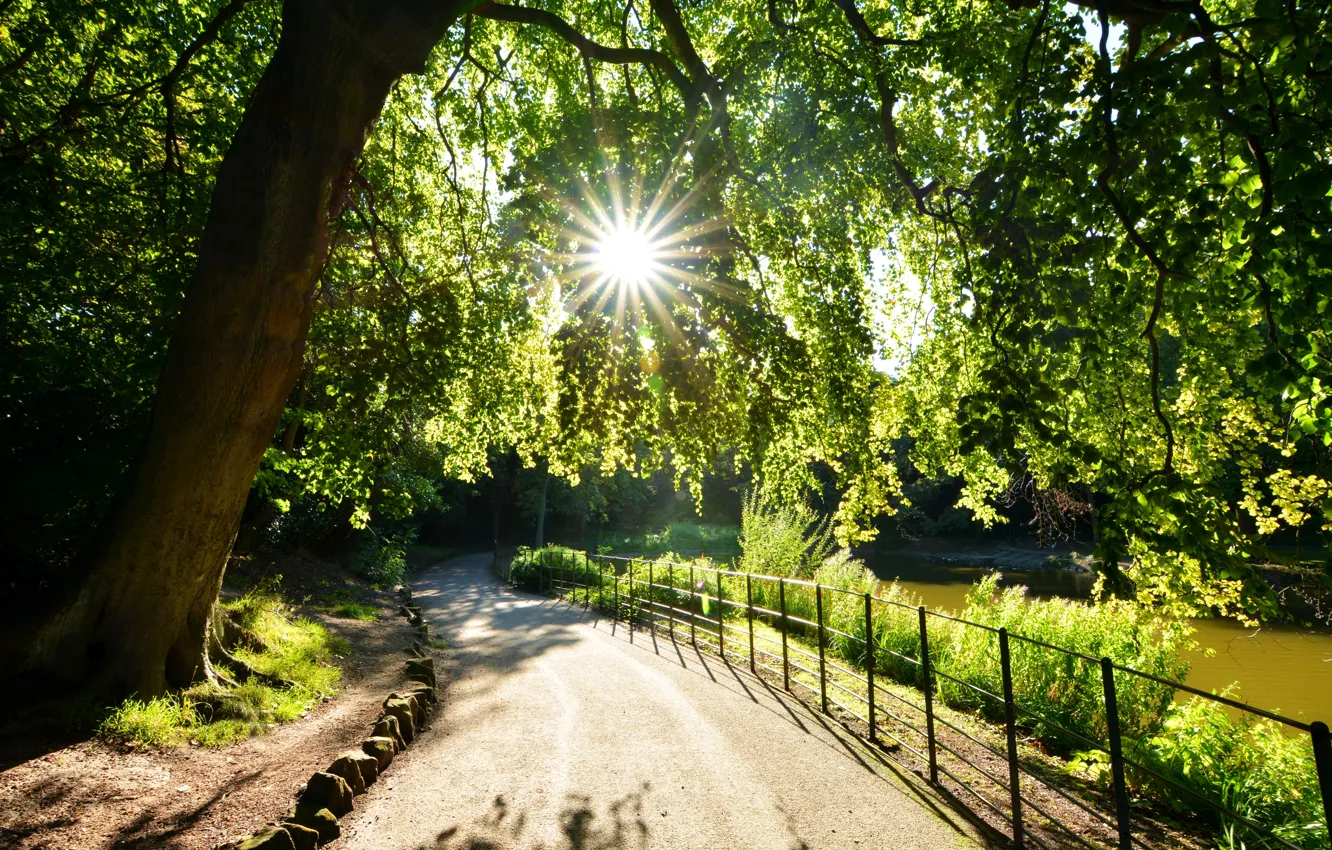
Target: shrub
782	540
1062	688
380	559
1250	766
699	537
531	569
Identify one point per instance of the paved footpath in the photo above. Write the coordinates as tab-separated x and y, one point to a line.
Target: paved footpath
558	731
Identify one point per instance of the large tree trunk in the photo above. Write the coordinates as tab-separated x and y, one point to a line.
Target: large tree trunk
140	622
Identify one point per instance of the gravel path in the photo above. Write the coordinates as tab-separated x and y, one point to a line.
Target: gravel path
559	731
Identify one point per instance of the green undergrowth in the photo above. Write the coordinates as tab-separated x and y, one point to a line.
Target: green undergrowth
355	611
691	537
282	647
1252	767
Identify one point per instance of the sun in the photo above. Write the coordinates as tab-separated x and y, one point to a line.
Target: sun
627	256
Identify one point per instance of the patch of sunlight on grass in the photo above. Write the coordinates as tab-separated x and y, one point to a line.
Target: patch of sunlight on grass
296	650
159	722
355	611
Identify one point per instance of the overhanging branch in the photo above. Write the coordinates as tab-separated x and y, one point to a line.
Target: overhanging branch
588	48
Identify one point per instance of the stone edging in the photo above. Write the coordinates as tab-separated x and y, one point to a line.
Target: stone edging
313	820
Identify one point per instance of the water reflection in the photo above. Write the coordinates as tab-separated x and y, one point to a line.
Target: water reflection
1280	668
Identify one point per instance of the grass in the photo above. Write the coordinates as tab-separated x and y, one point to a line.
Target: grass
355	611
296	650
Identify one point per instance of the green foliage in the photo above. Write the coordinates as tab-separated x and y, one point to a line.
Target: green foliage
296	650
532	569
1104	269
681	537
161	722
381	559
1064	689
782	539
1251	766
356	611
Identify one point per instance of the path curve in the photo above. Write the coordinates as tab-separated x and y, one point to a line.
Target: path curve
558	731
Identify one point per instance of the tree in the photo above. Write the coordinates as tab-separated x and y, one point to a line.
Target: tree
1121	251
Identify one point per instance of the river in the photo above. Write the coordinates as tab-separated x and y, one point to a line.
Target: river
1281	668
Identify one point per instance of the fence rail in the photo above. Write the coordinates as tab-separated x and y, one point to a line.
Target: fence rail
648	593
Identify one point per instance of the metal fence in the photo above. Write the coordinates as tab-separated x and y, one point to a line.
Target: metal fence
695	602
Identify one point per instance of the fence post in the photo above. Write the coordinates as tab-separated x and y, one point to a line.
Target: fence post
1010	724
1322	747
928	675
786	626
749	604
632	615
823	669
869	665
651	608
721	619
670	608
615	581
693	624
587	588
1122	813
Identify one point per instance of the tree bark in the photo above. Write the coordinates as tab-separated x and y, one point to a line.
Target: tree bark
140	622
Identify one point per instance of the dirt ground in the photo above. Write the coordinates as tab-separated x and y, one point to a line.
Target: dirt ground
63	792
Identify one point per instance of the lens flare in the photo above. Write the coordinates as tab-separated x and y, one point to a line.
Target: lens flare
626	256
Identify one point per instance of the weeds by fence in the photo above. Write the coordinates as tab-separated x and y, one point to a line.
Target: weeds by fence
1262	781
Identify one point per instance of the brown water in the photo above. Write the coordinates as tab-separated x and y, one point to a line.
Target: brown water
1280	668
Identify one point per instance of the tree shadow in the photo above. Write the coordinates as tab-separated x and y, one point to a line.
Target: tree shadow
789	707
618	826
134	835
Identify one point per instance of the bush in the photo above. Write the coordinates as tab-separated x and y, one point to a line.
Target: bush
1251	766
782	540
380	559
532	569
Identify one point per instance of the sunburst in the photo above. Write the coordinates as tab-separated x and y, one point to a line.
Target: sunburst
635	253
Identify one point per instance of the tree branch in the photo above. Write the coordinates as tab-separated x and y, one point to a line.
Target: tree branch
168	85
586	46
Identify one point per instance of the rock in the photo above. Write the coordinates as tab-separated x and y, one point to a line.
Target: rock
328	791
423	693
368	764
383	749
304	837
421	670
350	771
270	838
418	705
321	820
387	727
402	709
